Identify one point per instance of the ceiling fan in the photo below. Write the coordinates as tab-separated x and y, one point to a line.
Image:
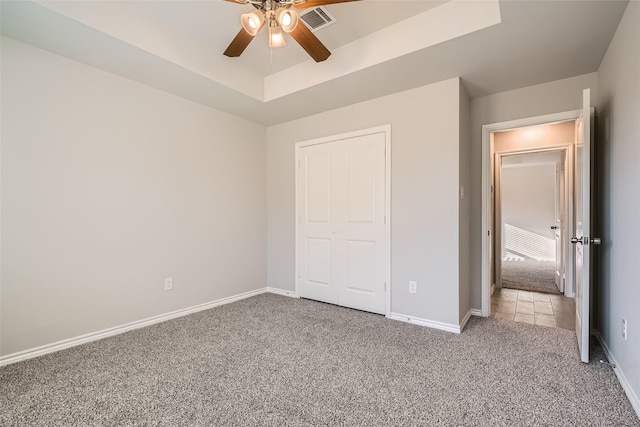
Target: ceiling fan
279	16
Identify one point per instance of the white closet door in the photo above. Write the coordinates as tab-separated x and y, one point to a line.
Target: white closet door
317	233
342	248
362	226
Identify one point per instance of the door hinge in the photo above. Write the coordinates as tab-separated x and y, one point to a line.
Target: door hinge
385	286
385	219
299	218
299	163
488	233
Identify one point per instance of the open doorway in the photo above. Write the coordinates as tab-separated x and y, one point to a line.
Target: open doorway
579	159
530	209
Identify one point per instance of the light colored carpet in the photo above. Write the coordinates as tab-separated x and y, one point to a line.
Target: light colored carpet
272	360
529	275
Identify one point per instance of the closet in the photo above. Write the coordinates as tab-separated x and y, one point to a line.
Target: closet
342	234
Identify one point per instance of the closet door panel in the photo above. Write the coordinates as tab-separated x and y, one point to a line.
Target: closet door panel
318	187
360	184
361	266
362	224
316	228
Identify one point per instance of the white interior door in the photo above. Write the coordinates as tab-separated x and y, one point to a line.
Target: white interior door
582	238
363	224
342	244
317	218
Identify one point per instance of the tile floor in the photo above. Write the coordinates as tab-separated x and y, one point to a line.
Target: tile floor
555	311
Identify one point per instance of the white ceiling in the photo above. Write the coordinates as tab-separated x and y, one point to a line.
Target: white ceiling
379	47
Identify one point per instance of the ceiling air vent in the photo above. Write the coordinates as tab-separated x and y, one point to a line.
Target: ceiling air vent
317	18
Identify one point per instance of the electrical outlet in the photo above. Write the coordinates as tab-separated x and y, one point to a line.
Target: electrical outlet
168	284
413	287
624	328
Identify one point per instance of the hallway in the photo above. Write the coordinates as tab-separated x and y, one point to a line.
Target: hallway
529	275
554	311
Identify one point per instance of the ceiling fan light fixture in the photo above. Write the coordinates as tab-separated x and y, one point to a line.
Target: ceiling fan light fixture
252	21
287	18
276	37
279	17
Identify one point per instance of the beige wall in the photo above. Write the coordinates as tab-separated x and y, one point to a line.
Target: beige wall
547	136
108	187
618	161
424	193
548	98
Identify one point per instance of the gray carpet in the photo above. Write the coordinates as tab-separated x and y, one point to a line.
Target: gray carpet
272	360
530	275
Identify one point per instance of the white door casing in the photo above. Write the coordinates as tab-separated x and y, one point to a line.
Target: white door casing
342	230
499	245
498	202
559	226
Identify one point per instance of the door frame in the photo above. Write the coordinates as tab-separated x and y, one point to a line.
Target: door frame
567	213
487	219
386	130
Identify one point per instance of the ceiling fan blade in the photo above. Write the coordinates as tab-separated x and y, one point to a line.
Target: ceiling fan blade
310	43
315	3
239	43
252	4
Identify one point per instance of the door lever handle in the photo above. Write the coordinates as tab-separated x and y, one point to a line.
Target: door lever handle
585	240
554	227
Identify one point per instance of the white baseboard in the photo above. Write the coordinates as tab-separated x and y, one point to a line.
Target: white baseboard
94	336
465	320
282	292
425	322
476	312
626	386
